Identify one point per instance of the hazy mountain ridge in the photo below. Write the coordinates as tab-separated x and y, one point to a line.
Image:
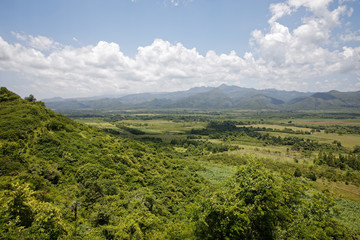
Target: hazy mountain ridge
222	97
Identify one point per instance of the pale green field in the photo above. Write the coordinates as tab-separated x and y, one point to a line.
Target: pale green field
96	122
148	126
217	173
279	127
339	189
347	140
312	122
162	126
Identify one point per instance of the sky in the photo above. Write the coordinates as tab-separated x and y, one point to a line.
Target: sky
86	48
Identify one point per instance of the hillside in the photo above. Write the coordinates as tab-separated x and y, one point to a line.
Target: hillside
60	179
55	163
222	97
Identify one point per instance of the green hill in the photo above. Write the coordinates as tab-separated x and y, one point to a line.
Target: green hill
50	164
63	180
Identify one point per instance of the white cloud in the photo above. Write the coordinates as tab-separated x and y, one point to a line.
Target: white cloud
176	3
283	58
351	36
303	53
20	36
41	43
279	10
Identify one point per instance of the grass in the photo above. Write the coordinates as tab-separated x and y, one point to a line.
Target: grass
347	140
280	127
96	122
216	173
274	152
161	126
349	214
317	122
339	189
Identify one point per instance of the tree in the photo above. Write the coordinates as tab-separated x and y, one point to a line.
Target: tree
356	149
30	98
75	206
258	204
25	217
297	173
251	208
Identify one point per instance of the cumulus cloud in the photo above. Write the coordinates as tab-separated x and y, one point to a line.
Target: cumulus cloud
279	10
291	59
303	52
41	43
103	68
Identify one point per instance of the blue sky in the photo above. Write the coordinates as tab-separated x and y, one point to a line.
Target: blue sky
85	48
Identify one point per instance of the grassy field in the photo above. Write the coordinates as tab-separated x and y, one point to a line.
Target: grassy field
96	122
340	189
216	173
163	126
347	140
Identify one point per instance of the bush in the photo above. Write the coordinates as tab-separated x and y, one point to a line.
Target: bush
297	173
311	176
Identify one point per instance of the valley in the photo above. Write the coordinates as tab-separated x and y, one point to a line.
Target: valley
177	173
326	131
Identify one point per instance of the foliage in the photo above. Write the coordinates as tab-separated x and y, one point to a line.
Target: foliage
25	216
343	161
59	162
63	180
259	204
228	130
30	98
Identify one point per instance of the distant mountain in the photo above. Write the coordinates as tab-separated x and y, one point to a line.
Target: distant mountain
259	101
212	99
222	97
173	96
326	101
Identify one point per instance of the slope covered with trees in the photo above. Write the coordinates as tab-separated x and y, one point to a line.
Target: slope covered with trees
63	180
60	178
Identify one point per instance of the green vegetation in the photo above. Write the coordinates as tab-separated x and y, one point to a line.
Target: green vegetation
174	175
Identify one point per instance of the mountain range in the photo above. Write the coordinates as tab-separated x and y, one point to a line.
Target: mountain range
222	97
